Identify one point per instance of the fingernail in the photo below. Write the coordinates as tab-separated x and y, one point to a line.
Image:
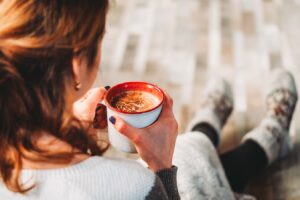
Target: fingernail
99	107
112	119
107	87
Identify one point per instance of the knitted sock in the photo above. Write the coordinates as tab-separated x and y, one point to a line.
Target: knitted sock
216	107
273	132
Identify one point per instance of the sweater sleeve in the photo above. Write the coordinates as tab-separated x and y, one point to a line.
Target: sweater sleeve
165	186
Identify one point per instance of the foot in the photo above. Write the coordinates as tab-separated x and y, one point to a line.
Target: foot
216	105
273	132
281	97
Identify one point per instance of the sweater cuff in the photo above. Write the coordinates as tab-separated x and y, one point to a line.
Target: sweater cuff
169	179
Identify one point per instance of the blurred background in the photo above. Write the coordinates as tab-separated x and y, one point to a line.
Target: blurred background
180	44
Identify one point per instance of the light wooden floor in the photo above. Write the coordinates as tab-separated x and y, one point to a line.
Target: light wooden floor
179	44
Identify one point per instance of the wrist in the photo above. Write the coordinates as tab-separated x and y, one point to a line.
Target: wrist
159	166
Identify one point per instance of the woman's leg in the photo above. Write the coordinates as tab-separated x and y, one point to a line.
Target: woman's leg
262	145
209	131
243	163
268	141
216	106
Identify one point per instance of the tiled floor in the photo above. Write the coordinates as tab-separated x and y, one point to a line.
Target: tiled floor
180	44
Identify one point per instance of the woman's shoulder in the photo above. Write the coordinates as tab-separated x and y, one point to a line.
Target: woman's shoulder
101	177
115	163
114	167
96	166
129	178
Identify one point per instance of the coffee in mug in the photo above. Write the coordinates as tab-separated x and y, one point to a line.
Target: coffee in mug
134	101
138	103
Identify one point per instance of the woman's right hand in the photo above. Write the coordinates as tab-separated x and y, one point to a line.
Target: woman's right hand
155	144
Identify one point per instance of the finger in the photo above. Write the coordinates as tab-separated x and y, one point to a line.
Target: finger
96	94
168	99
86	106
124	128
100	121
167	106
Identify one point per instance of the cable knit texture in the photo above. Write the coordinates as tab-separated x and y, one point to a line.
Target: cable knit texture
200	176
200	173
95	178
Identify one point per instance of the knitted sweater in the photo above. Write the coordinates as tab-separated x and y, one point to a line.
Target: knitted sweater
98	178
200	176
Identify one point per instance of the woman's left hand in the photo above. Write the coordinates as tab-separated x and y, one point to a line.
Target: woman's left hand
84	108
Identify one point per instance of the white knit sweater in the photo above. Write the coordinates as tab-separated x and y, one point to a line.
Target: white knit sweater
200	176
94	178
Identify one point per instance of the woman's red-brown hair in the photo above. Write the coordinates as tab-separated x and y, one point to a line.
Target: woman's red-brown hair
38	39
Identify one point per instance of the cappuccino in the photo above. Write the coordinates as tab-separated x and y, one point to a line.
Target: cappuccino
134	101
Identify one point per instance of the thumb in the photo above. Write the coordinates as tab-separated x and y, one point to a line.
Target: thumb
124	128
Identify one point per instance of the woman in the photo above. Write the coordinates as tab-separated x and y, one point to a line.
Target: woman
49	56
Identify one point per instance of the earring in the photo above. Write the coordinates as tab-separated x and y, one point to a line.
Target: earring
78	86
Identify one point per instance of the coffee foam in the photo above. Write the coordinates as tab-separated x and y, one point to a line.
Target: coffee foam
134	101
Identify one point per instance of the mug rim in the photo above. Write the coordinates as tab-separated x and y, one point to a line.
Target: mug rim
138	83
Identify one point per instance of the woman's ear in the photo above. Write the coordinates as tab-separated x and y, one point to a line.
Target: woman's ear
76	67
